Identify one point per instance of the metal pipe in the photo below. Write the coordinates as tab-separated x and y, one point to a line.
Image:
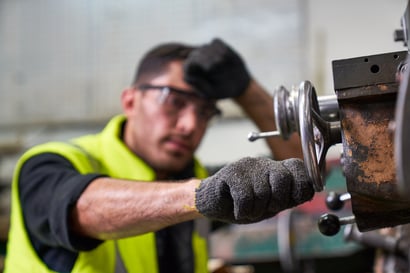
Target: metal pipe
377	240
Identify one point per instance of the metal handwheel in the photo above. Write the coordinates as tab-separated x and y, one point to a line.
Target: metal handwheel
300	111
294	112
313	142
402	132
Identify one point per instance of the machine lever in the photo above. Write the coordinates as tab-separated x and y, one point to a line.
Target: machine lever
374	239
329	224
335	201
252	136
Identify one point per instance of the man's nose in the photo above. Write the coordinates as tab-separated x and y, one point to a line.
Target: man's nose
188	119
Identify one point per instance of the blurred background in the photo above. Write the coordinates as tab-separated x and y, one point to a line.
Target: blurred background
63	64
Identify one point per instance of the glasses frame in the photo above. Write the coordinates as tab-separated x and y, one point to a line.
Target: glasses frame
165	90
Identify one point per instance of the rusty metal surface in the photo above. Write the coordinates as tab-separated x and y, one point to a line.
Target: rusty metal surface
368	156
366	89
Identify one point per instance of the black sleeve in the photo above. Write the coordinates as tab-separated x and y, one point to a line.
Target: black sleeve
49	186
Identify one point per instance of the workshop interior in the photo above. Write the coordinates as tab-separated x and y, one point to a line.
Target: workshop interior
339	77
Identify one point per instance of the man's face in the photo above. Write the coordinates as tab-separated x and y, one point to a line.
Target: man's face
164	129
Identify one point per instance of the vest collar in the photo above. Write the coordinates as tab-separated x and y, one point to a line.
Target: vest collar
122	162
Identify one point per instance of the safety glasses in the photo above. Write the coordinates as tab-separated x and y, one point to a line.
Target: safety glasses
175	101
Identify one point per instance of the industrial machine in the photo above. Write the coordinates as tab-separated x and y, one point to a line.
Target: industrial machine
367	115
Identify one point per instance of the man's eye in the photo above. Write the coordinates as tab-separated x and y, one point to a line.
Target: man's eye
177	101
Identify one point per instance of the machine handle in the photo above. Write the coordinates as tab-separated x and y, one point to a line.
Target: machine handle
300	111
329	224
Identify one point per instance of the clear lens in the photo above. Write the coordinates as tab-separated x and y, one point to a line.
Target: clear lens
176	101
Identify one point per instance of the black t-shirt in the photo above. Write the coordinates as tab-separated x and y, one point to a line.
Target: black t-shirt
49	186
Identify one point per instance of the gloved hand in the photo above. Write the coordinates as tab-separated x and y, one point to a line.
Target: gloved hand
253	189
217	71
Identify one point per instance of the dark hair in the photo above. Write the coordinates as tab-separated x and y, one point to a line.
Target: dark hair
156	61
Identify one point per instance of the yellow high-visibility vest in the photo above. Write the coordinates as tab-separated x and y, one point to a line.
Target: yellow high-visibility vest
106	153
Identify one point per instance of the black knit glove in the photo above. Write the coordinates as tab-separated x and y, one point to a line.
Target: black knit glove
253	189
217	71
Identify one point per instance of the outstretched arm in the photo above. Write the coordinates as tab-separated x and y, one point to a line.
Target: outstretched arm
246	191
62	207
113	208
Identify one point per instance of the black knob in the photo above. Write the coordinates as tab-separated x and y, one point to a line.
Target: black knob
333	201
329	224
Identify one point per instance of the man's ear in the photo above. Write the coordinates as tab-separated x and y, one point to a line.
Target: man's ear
128	100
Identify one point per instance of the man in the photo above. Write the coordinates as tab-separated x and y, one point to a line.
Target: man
87	205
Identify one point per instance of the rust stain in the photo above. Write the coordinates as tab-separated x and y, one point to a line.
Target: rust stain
371	146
